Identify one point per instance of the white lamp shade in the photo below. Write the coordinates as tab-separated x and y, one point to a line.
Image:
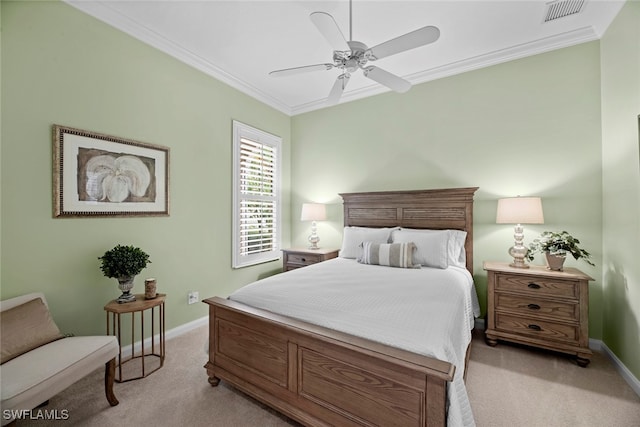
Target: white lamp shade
520	210
313	212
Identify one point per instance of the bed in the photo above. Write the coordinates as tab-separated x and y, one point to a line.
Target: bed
319	375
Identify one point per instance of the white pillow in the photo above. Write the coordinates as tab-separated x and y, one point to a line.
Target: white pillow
456	254
353	236
432	248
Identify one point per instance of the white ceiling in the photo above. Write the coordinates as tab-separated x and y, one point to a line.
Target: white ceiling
240	42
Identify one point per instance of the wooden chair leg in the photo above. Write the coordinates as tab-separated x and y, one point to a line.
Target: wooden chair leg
109	377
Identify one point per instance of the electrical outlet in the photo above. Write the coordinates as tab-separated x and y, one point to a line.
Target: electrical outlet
194	297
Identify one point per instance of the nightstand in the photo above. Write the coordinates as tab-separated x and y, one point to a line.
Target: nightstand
297	257
539	307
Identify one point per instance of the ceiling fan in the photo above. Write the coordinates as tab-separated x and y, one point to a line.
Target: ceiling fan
349	56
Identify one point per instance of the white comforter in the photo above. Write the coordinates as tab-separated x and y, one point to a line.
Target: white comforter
427	311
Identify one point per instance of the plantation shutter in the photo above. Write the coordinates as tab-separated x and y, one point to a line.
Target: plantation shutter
257	196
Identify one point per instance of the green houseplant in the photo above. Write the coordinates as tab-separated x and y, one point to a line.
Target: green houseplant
555	246
124	263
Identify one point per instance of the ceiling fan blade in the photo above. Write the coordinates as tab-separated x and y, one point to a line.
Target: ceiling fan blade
330	30
337	89
391	81
297	70
417	38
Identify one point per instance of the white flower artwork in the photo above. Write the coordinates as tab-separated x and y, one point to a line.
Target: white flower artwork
115	178
98	175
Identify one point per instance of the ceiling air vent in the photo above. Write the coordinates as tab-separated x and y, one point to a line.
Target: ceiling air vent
561	8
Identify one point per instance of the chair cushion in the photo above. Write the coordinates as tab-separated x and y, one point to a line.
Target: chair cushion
25	327
42	373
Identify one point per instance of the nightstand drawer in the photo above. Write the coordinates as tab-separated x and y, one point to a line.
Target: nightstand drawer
536	285
532	306
295	258
303	259
537	328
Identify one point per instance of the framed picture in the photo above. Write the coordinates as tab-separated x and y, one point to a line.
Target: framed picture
102	175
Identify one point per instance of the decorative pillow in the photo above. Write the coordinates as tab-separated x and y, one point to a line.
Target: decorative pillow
429	244
432	248
389	254
353	236
26	327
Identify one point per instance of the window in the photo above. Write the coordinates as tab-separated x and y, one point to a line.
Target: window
256	196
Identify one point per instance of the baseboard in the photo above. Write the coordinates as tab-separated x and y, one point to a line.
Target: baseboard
187	327
479	324
628	376
171	333
595	345
598	345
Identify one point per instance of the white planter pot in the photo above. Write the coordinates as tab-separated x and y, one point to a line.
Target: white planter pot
555	262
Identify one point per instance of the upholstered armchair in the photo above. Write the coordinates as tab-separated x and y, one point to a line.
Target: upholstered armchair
39	362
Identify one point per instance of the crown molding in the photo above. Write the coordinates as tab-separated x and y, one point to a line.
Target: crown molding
571	38
547	44
103	12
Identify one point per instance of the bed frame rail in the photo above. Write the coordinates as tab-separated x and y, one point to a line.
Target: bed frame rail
321	377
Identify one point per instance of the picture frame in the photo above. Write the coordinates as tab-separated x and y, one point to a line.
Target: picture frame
98	175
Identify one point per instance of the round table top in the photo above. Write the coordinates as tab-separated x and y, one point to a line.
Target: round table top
140	304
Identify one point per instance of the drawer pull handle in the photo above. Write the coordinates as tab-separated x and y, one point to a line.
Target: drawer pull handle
534	306
535	327
304	259
533	286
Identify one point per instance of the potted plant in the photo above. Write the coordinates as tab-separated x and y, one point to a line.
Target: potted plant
124	263
555	246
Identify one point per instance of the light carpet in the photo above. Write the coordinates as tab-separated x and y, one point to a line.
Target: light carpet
508	385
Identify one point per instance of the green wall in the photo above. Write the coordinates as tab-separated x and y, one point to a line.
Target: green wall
526	127
621	183
60	66
531	127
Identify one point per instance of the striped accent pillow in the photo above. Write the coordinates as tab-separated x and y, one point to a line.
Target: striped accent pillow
389	254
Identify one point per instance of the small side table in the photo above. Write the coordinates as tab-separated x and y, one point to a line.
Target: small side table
140	305
298	257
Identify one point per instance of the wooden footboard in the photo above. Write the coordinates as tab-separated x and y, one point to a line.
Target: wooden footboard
321	377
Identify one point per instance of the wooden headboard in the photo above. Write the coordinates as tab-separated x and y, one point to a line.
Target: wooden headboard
449	208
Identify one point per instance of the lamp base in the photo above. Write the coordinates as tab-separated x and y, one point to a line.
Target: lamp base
516	264
313	241
313	237
518	252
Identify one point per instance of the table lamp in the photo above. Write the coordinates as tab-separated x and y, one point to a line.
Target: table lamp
519	210
313	212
